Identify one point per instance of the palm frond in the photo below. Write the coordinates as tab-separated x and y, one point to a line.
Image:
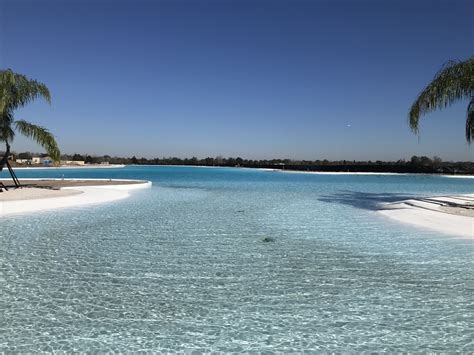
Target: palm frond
452	83
17	90
470	121
6	132
41	135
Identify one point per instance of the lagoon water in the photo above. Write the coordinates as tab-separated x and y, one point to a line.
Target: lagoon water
183	266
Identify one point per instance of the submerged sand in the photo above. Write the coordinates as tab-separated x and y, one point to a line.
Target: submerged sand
452	215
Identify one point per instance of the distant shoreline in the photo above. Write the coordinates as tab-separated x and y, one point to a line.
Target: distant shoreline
111	166
329	170
316	172
463	176
269	169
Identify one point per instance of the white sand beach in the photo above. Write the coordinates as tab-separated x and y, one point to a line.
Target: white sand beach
452	215
360	173
332	172
83	192
35	193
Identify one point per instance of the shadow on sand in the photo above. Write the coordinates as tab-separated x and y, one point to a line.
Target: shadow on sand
365	200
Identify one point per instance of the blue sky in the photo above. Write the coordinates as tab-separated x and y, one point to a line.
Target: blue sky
256	79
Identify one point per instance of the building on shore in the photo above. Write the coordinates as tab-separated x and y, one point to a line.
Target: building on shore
46	161
23	161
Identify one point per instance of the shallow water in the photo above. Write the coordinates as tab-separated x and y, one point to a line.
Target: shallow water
183	266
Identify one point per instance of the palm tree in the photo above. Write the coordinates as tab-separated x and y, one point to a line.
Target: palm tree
454	82
16	91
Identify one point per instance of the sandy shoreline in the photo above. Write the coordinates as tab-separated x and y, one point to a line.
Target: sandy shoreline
59	183
65	193
361	173
452	215
33	193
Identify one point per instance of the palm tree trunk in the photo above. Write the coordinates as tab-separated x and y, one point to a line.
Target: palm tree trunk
4	162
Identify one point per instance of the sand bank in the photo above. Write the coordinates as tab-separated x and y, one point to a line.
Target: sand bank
452	215
69	193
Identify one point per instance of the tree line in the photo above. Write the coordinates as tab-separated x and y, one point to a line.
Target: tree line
417	164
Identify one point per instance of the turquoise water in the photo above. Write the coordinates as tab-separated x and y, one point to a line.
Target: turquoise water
183	266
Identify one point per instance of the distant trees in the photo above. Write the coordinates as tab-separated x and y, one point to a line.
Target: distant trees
424	162
25	155
417	164
437	162
209	161
78	157
420	161
89	160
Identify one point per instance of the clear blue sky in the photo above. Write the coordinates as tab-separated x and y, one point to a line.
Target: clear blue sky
256	79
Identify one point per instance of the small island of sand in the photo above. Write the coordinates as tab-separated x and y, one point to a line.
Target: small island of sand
41	194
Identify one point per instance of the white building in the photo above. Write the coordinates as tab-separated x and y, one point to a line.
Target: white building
23	161
42	160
